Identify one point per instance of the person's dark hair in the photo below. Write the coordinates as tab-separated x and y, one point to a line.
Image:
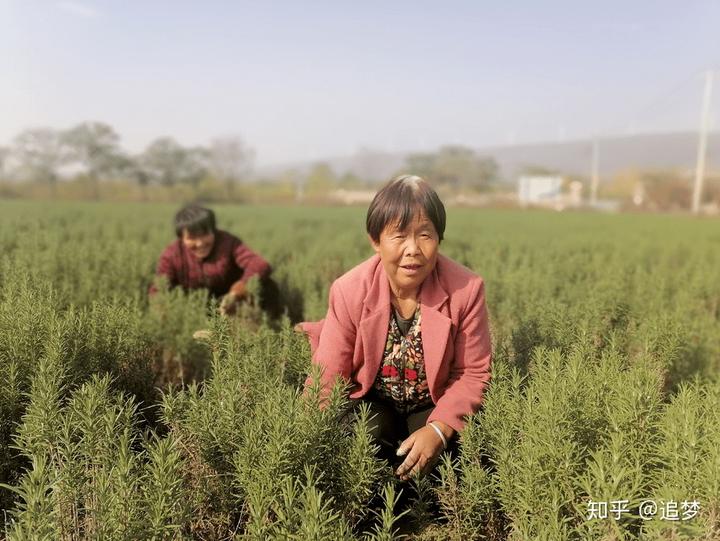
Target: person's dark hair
400	201
196	219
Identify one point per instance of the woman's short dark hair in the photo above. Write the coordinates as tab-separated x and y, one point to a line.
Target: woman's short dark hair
196	219
400	201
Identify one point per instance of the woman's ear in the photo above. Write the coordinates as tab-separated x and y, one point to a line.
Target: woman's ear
375	245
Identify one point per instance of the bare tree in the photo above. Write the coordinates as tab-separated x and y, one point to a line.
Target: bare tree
168	163
39	153
196	166
230	160
95	146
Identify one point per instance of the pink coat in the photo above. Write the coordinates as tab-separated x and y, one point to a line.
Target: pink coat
454	327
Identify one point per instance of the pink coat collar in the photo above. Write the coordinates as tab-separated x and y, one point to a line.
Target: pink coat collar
435	325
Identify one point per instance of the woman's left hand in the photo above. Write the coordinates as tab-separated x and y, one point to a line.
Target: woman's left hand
422	448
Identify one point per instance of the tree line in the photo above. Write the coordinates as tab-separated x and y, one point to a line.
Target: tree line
93	150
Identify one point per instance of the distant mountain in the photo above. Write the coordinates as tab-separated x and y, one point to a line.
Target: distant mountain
647	151
650	151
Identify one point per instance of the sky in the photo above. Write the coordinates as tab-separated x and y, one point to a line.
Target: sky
302	81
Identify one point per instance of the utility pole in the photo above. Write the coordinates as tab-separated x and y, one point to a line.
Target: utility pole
595	173
702	143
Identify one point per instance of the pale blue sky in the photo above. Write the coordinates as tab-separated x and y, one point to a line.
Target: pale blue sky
304	80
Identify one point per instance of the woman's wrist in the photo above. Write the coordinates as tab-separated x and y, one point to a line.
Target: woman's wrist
447	430
440	434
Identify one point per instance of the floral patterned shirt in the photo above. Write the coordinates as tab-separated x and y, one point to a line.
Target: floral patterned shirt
401	379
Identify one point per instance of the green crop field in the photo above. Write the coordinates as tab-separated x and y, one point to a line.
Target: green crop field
602	420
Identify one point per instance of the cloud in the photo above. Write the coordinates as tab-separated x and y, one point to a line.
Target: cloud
78	9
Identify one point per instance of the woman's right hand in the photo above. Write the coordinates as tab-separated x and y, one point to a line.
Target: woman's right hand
228	304
423	449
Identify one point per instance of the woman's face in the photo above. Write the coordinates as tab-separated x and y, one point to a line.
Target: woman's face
408	256
198	245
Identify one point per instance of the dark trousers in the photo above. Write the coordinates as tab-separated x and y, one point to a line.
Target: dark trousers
389	428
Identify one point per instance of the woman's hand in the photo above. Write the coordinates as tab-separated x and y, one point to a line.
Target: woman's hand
229	303
239	290
423	448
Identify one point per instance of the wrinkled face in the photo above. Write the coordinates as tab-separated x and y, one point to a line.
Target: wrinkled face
198	245
408	256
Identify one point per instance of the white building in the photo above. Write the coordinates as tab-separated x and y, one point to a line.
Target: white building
540	190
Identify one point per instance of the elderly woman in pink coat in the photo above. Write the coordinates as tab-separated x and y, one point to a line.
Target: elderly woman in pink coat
408	329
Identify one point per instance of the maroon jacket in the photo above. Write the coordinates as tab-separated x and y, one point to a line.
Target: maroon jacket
229	261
